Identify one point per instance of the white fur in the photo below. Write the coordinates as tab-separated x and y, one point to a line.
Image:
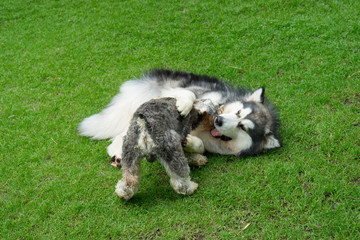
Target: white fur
248	124
215	97
115	118
194	144
184	98
145	142
272	142
244	112
256	96
229	126
232	107
115	148
241	142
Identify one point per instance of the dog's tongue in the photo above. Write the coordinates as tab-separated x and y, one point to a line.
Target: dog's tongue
216	133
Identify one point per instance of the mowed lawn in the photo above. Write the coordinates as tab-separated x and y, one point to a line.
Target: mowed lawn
61	61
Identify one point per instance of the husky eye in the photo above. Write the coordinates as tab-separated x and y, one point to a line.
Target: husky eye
242	127
238	113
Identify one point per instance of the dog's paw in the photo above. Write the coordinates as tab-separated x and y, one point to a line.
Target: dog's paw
184	102
116	161
184	187
184	106
193	144
114	150
195	159
192	187
184	99
124	191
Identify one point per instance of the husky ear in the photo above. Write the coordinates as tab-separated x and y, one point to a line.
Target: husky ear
257	95
271	141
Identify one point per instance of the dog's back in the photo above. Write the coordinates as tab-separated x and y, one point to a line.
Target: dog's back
161	115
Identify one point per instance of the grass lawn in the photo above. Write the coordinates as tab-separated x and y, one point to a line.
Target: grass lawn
61	61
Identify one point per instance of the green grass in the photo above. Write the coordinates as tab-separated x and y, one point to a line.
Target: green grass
61	61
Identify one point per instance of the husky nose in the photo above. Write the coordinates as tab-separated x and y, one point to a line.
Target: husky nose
219	121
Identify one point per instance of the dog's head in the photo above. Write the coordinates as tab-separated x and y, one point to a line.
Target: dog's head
249	124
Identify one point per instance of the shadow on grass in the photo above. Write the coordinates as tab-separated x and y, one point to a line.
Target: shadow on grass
155	187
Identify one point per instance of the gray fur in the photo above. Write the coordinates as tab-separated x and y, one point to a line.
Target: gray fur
158	131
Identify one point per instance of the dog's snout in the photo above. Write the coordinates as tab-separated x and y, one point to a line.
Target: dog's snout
219	121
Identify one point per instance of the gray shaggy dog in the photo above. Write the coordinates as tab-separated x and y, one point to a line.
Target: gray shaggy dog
158	131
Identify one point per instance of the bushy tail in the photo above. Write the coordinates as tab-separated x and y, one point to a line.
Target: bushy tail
115	118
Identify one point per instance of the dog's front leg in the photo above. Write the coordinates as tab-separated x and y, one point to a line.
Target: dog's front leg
184	99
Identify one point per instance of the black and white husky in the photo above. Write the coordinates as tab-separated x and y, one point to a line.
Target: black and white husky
246	124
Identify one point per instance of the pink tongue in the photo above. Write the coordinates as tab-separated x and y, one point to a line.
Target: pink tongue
216	133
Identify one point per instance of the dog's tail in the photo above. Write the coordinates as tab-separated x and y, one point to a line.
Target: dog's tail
116	117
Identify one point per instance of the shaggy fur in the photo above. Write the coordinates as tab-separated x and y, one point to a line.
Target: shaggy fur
158	131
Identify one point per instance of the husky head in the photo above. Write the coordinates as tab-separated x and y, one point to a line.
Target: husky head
249	124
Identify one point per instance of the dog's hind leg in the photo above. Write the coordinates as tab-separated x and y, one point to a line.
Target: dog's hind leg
130	164
172	157
115	149
129	183
178	171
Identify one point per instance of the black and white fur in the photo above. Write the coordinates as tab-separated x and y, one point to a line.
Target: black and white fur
247	125
157	131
